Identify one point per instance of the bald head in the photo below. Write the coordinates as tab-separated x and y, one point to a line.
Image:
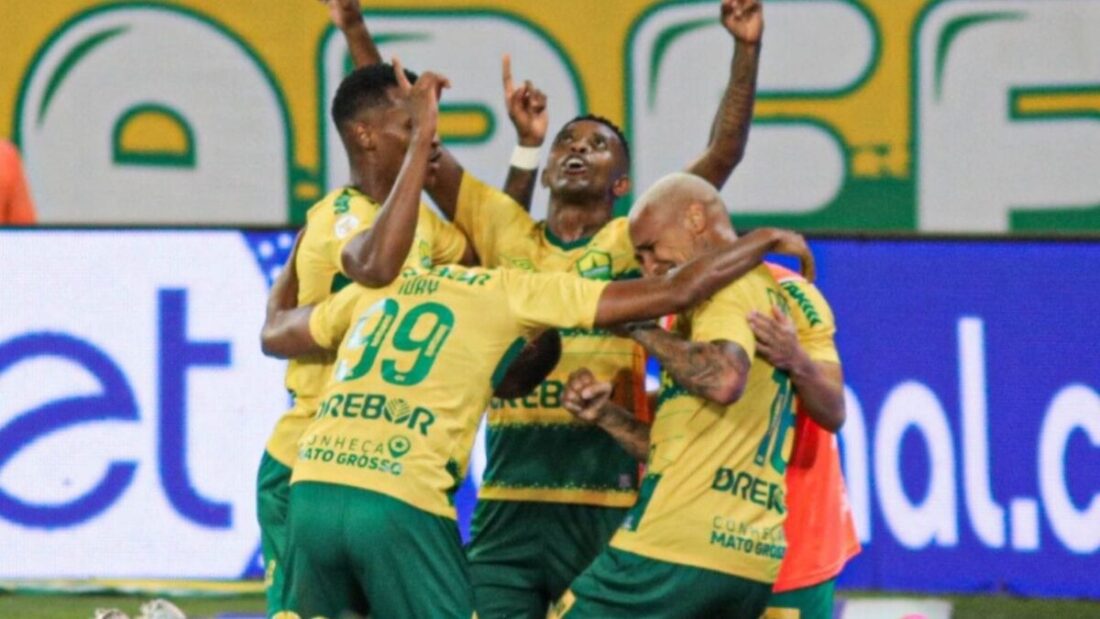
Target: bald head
677	217
673	193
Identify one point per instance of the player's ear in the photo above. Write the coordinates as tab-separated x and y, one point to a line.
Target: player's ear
363	135
621	186
696	217
544	177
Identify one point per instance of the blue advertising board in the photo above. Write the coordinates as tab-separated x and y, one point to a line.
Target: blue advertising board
973	374
134	405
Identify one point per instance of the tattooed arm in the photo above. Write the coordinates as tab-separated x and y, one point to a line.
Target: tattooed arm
744	20
713	370
589	401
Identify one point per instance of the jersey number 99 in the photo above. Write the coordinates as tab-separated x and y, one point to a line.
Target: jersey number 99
426	346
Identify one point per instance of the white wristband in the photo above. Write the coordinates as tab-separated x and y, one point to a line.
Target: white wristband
525	157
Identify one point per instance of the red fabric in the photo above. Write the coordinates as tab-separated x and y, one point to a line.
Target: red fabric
16	207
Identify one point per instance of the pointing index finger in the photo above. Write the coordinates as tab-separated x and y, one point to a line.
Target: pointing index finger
399	73
506	70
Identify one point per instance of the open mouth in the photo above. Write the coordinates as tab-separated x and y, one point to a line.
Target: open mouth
574	165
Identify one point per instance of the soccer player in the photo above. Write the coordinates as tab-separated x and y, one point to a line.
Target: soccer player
366	232
820	531
554	490
705	538
372	524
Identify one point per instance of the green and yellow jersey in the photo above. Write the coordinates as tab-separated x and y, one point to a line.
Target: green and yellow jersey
536	450
330	224
415	370
714	492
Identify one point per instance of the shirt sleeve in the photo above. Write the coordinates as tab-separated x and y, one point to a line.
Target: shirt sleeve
814	320
448	242
725	316
563	300
313	262
330	319
488	216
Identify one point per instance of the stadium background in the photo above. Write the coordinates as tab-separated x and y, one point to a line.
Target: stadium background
133	399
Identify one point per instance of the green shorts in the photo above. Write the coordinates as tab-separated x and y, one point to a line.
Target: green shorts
813	602
272	503
524	554
626	585
355	550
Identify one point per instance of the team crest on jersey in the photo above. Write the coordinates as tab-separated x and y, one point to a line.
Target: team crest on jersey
779	301
595	264
345	226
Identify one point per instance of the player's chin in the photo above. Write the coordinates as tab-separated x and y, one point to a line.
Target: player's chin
579	189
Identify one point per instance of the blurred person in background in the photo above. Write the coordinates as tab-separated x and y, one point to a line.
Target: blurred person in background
16	206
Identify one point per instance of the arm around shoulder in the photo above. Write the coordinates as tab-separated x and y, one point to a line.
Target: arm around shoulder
285	332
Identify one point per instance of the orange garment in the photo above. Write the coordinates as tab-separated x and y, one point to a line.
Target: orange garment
821	534
16	207
820	530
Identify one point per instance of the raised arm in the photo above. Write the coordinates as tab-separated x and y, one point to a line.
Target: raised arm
819	384
527	109
448	177
744	19
679	289
348	17
375	256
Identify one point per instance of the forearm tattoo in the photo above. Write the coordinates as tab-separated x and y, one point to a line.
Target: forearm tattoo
700	367
626	429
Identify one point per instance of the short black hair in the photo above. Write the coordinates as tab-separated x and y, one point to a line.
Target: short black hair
364	88
610	125
533	364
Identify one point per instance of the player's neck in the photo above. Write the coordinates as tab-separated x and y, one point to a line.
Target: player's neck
572	222
372	185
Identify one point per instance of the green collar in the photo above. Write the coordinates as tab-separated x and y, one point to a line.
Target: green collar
560	244
354	190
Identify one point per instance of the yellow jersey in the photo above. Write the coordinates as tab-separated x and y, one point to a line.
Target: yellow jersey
330	224
415	369
536	450
714	492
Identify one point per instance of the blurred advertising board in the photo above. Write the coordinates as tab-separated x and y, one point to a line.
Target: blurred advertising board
933	115
135	403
